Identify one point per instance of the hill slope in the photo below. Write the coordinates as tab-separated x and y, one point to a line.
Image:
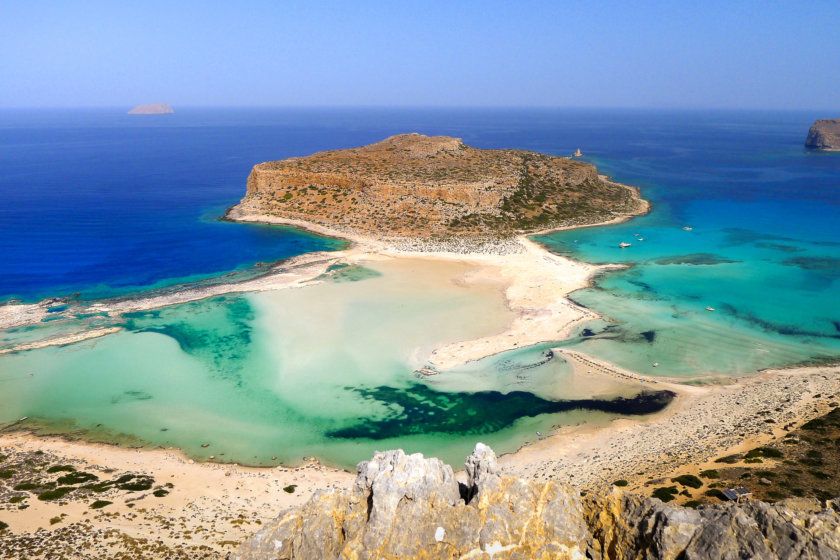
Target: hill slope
412	185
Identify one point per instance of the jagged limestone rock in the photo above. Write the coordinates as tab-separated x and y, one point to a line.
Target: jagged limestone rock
626	526
406	506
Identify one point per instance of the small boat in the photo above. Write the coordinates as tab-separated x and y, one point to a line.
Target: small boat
635	235
641	239
623	245
655	364
577	153
709	308
688	228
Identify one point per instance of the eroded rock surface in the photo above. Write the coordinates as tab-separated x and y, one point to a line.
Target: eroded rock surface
824	135
407	506
419	186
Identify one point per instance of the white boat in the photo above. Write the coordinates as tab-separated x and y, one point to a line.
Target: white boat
623	245
709	308
655	364
577	153
641	239
688	228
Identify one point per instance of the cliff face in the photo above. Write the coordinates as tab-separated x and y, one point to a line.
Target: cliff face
824	135
410	507
420	186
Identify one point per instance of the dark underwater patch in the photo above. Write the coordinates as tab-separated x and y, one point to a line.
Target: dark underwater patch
788	330
223	346
740	236
127	396
829	266
649	336
780	247
418	409
697	259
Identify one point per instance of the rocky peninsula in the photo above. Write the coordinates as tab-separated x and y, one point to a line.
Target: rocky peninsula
824	135
414	187
152	109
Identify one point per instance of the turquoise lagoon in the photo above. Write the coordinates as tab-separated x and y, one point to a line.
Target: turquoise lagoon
328	370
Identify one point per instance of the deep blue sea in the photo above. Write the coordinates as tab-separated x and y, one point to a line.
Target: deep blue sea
744	221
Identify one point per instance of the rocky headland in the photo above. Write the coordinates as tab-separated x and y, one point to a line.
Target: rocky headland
407	506
824	135
414	187
153	109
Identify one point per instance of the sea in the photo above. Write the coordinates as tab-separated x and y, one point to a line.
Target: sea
735	269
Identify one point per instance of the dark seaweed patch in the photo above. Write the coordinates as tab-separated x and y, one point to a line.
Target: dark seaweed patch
696	259
779	247
740	236
824	265
131	396
418	409
649	336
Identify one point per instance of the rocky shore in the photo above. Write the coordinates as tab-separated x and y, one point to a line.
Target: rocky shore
824	135
406	506
435	188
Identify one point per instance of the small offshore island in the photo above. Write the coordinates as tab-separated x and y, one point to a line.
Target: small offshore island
824	135
464	213
152	109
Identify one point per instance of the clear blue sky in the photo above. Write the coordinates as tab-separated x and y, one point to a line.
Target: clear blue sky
782	55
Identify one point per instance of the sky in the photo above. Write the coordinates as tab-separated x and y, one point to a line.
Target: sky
760	55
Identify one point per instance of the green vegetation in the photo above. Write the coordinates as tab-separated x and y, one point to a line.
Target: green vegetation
665	493
714	493
26	486
621	482
55	494
729	459
77	478
290	488
16	499
61	468
99	504
688	480
763	452
3	526
692	504
710	473
160	493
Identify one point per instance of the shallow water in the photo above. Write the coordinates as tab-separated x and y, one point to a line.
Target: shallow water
763	251
326	370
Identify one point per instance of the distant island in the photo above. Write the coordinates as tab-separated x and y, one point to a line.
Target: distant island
425	187
153	109
824	135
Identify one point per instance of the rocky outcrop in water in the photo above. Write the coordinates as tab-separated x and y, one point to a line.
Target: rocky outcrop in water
416	186
824	135
153	109
407	506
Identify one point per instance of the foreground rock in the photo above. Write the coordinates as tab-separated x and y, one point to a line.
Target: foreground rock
406	506
416	186
153	109
824	135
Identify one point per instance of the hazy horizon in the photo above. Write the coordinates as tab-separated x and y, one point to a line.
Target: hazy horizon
654	55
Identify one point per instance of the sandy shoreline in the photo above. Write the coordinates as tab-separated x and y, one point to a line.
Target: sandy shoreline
702	422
